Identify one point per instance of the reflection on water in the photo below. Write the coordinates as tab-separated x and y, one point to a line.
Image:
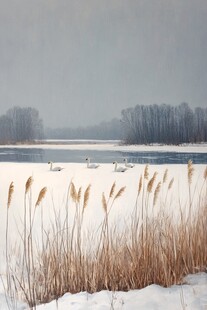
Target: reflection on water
78	156
21	155
166	157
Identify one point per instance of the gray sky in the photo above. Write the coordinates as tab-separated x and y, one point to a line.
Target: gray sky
80	62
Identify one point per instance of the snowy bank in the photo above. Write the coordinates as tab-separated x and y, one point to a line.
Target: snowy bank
192	295
114	146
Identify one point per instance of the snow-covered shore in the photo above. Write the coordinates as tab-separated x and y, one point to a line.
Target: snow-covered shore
115	146
193	295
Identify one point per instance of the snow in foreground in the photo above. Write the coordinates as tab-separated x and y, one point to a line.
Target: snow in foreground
192	295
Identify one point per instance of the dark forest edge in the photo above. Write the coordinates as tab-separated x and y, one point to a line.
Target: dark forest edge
164	124
20	125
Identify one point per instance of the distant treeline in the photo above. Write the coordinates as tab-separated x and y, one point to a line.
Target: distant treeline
20	125
111	130
139	125
164	124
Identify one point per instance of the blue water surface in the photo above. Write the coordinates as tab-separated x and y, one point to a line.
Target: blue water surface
39	155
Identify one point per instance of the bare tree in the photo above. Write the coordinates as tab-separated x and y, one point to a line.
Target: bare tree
20	124
164	124
5	129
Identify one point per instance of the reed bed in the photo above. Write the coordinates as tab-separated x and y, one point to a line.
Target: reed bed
153	246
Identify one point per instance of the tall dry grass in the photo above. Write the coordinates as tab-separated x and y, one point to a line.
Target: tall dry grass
152	247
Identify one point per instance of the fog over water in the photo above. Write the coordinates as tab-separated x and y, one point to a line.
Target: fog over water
82	62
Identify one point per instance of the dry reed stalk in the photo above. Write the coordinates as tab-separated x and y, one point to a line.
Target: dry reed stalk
8	272
190	171
151	183
140	185
156	193
165	176
86	196
41	196
28	184
112	190
120	192
10	194
104	204
146	172
73	192
162	254
163	258
170	184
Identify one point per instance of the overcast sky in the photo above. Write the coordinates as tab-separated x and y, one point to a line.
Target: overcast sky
80	62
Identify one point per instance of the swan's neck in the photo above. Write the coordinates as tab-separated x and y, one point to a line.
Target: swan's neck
115	167
88	162
50	166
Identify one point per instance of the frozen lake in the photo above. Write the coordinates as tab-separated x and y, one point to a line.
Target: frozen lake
41	155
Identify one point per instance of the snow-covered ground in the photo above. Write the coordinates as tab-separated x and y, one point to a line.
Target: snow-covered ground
111	145
192	295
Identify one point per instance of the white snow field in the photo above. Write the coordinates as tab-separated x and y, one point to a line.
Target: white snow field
191	295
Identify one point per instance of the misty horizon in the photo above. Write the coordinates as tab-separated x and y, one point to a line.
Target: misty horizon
81	63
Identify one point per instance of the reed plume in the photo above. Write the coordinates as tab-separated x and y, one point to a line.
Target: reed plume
41	196
165	176
146	172
10	194
79	195
28	184
86	196
112	190
190	171
151	183
140	185
73	192
205	174
104	204
120	192
171	183
156	193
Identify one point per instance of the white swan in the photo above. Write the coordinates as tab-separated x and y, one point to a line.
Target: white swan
128	165
119	169
90	165
55	168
